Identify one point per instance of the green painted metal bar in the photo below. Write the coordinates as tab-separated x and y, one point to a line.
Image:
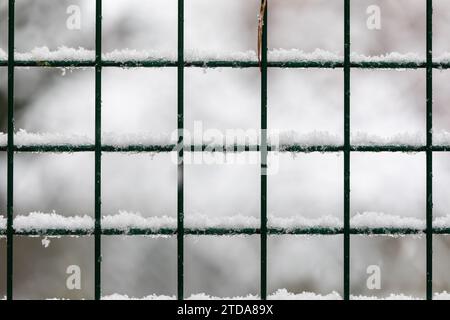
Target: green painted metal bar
263	153
429	151
346	250
10	160
180	168
98	148
313	231
228	64
204	148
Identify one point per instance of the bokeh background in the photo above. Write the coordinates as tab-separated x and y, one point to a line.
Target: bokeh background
384	102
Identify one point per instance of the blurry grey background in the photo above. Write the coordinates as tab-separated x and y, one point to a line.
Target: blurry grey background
137	100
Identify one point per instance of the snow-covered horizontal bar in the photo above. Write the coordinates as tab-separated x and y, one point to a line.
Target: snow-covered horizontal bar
274	55
51	221
44	53
281	294
125	222
24	138
377	220
278	139
407	138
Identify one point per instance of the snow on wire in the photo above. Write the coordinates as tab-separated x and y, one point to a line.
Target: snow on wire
277	140
274	55
281	294
124	222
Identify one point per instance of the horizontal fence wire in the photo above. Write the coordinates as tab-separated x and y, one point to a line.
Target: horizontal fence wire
228	64
230	231
237	148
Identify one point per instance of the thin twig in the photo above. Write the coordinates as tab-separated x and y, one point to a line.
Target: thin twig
262	11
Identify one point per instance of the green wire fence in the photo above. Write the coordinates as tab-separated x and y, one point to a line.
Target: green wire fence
180	231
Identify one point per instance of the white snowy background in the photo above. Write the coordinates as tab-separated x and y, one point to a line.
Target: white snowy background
384	103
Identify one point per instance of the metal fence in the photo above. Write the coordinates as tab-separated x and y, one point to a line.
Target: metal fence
180	232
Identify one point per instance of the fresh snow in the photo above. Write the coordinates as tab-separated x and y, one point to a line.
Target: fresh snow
358	138
24	138
197	296
442	222
2	222
200	222
81	54
190	56
281	139
443	58
117	296
274	55
124	221
45	242
444	295
144	139
441	138
314	138
299	222
204	296
381	220
392	296
44	53
137	55
318	55
202	55
38	221
389	57
281	294
406	138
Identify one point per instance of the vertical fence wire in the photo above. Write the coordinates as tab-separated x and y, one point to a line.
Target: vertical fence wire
98	147
10	160
263	149
180	168
346	149
429	150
